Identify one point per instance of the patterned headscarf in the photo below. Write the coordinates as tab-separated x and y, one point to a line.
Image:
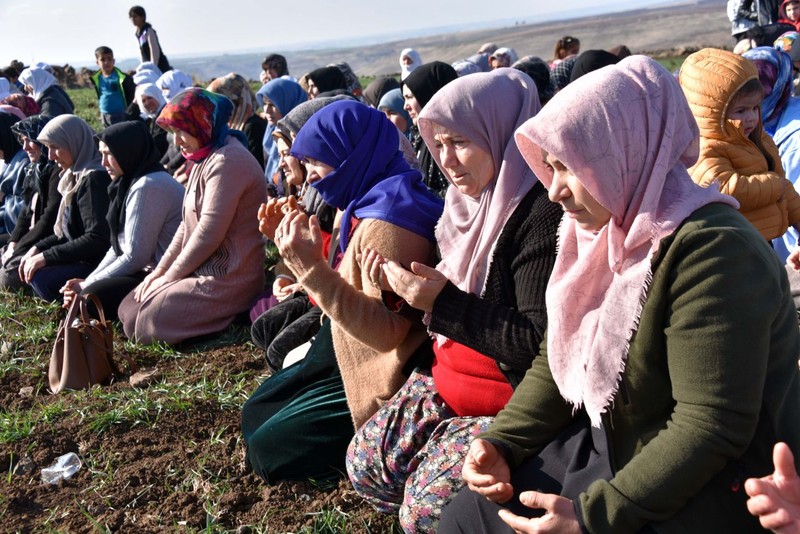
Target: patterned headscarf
39	79
370	177
238	91
200	113
352	83
627	133
73	134
775	72
31	127
24	102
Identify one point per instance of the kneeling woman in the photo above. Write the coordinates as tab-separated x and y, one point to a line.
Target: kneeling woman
144	213
214	266
497	238
298	423
670	365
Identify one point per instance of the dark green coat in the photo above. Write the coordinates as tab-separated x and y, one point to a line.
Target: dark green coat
710	384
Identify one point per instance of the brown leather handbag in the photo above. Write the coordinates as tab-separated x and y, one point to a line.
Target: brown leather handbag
83	353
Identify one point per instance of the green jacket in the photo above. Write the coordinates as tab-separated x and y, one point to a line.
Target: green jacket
710	384
126	84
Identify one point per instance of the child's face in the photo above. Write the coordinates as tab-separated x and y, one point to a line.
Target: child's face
106	63
793	11
746	109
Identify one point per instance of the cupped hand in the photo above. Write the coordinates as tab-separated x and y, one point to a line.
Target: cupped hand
299	242
372	266
559	516
419	287
70	288
486	472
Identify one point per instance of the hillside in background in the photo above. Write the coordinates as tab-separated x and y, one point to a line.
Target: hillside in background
644	31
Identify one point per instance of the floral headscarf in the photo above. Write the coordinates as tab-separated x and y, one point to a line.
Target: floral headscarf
200	113
238	91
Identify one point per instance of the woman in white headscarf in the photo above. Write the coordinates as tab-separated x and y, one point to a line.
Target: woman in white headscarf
43	87
409	60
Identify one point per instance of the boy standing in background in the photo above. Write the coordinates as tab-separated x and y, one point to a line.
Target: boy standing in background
115	89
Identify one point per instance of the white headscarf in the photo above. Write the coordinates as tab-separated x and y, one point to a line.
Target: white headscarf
415	58
39	79
149	89
174	81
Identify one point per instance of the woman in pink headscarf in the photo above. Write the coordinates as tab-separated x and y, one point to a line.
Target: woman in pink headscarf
670	365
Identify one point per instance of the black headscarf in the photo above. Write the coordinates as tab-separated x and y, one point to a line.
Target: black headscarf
592	60
9	143
428	78
379	87
328	79
135	150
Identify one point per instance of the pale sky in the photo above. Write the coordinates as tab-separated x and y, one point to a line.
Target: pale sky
68	31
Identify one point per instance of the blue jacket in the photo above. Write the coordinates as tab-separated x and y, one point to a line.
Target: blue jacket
788	141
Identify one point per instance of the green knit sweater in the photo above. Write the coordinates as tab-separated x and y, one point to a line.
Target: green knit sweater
710	384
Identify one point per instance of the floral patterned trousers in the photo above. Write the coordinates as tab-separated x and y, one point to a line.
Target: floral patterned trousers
407	458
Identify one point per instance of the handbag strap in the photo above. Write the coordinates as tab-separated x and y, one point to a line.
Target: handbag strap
97	304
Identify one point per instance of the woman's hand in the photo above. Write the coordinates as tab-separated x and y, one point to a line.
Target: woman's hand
71	288
283	287
794	258
150	283
775	499
31	252
559	514
486	472
9	251
271	214
30	265
419	287
299	242
372	264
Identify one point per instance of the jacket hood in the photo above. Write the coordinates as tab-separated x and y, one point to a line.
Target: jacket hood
710	78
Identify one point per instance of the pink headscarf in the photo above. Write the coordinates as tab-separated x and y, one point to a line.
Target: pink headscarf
627	134
486	108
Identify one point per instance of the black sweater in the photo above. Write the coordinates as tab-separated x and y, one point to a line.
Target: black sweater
41	179
88	228
509	321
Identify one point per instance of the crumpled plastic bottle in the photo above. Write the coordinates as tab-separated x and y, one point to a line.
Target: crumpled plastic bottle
65	466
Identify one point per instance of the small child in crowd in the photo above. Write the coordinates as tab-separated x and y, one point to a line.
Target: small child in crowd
725	96
115	89
790	13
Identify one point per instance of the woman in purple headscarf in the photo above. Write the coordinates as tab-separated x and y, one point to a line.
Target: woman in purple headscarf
298	423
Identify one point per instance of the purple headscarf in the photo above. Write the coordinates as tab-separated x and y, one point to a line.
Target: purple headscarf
370	177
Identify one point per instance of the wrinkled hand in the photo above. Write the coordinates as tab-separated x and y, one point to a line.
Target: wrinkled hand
71	288
775	498
419	287
271	214
9	251
20	270
299	242
150	283
30	265
486	472
559	514
794	259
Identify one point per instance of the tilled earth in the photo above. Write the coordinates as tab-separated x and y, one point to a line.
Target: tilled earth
181	470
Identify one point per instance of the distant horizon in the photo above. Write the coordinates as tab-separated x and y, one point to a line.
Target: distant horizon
126	50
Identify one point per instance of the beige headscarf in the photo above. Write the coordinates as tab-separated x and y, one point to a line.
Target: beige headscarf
236	88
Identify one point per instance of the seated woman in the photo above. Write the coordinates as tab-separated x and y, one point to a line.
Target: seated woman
40	206
244	116
299	421
278	97
143	216
497	238
418	88
44	88
214	266
325	80
150	101
670	365
377	88
173	82
12	175
80	233
23	102
393	106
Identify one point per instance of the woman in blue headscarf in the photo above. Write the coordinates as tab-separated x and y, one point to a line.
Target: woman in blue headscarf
392	104
278	97
298	423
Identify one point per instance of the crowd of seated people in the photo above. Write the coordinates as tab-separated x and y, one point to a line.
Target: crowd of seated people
605	250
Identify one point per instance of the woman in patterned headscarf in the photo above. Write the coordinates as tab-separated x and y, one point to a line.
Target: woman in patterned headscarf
214	266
